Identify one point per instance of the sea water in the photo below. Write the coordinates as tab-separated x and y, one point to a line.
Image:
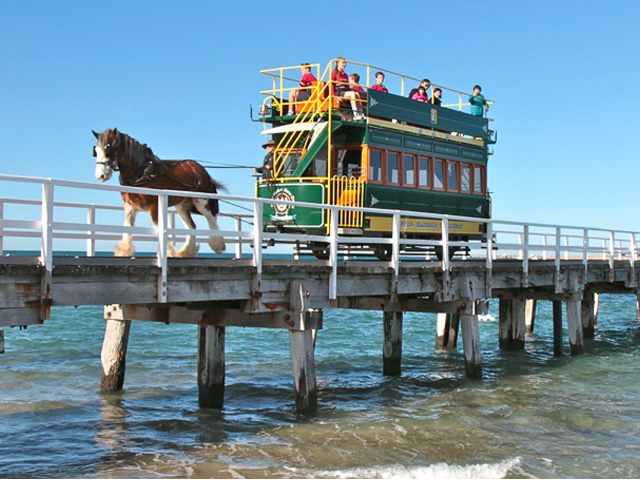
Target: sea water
531	416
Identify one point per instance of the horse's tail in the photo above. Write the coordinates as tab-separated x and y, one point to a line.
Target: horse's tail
214	186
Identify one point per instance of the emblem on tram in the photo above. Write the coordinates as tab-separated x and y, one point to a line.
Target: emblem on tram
283	210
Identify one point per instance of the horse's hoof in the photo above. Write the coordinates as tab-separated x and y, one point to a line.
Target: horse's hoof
124	250
171	250
217	245
189	252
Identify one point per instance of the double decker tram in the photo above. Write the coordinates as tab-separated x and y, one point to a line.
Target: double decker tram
399	154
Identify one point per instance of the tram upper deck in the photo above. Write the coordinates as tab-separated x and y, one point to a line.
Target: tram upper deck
394	110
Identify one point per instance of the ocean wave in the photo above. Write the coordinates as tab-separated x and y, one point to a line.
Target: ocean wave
435	471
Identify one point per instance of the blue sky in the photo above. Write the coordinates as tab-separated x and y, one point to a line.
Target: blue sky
180	76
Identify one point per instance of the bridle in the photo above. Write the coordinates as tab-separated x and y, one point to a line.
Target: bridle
111	155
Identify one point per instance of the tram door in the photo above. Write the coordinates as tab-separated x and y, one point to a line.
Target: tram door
346	186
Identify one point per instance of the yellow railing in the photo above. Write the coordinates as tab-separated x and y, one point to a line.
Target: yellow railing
283	76
348	192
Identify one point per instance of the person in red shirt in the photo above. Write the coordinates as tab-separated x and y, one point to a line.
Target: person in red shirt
340	87
379	83
304	92
354	81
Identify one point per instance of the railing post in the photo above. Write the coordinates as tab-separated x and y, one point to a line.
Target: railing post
1	229
612	253
632	258
163	240
46	249
239	244
91	240
257	237
489	230
395	245
525	256
445	259
445	244
585	251
557	257
333	253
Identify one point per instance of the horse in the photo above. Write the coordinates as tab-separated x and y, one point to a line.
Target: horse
139	167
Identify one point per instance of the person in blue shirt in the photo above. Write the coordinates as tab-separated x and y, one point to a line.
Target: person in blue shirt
477	101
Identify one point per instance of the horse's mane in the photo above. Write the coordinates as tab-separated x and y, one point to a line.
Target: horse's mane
139	153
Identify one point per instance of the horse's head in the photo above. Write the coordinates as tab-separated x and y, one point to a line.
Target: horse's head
106	153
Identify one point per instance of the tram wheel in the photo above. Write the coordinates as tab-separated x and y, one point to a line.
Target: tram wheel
320	250
439	255
382	252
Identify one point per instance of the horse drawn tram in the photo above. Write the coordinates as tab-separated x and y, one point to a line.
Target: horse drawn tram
373	148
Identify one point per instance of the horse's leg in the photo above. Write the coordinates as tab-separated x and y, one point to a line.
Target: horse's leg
190	248
124	248
216	243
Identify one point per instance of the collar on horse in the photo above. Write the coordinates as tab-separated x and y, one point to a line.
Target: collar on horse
145	173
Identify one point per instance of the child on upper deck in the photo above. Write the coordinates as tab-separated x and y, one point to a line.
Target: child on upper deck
340	88
420	95
304	92
379	83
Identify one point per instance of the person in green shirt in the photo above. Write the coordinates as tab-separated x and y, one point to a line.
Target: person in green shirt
477	101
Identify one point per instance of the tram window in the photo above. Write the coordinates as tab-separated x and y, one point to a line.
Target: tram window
423	172
320	163
465	179
375	165
408	170
452	176
438	174
392	167
477	180
347	162
352	163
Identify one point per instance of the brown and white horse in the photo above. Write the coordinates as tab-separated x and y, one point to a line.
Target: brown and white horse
139	167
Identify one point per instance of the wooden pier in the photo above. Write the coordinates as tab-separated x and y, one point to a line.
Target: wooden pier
215	294
565	265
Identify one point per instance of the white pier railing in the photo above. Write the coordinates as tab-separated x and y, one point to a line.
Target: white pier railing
33	215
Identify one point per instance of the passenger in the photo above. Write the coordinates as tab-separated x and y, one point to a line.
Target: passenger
304	92
379	83
420	95
267	167
354	81
425	83
478	103
340	88
437	97
354	85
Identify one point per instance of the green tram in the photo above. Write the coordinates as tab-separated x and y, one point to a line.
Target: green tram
404	154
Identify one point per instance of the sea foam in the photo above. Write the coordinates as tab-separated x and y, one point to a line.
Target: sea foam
435	471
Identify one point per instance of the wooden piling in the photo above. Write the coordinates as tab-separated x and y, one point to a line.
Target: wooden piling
1	341
471	345
588	314
392	345
574	326
512	324
557	328
447	330
304	370
530	315
114	354
211	366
